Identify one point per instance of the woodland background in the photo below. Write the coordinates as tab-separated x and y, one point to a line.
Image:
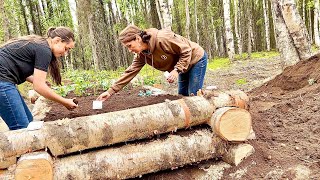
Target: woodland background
225	28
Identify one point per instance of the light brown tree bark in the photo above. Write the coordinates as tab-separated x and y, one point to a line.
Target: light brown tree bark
296	28
288	53
133	160
71	135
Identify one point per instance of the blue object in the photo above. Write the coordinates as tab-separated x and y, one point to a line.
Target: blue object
13	109
191	81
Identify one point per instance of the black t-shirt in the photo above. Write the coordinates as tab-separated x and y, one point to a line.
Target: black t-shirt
18	60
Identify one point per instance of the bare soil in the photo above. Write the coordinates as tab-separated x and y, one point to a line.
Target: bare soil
285	107
125	99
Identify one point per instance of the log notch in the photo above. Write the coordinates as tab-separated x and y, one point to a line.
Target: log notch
231	123
37	165
134	160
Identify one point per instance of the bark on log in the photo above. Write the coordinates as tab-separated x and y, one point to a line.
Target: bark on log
237	153
18	142
6	175
134	160
72	135
231	123
37	165
234	98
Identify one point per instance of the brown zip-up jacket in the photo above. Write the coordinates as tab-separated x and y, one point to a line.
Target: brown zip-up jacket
167	51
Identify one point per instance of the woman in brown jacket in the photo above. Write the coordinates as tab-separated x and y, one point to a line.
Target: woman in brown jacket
166	51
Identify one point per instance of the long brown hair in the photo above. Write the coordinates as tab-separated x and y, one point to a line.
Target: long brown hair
54	67
130	32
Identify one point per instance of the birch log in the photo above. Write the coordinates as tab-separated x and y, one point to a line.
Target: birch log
37	165
231	123
18	142
134	160
71	135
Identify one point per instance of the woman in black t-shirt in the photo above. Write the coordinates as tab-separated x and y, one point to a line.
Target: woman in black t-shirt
29	58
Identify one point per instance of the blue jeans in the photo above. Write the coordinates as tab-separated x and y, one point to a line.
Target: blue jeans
13	109
190	82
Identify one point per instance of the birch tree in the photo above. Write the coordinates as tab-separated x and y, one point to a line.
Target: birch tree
187	19
236	26
266	22
288	53
297	29
196	21
164	10
316	23
228	29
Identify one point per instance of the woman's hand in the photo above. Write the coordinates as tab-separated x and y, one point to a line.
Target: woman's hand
173	76
104	96
70	104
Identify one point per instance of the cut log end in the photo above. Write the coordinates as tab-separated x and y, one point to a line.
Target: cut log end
34	166
231	124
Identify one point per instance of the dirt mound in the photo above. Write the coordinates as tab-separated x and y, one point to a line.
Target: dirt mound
286	114
294	77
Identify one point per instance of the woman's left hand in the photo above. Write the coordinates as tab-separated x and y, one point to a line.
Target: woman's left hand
173	76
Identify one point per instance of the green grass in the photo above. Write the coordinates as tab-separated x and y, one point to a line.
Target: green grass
241	81
218	63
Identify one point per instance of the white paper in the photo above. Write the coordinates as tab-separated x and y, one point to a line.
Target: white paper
97	105
166	74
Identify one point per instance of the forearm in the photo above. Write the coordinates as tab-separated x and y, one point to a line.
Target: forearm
30	79
48	93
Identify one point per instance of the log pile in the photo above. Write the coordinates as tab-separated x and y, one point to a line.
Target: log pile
66	136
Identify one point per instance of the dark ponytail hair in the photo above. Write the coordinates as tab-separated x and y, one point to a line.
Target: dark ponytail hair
145	37
66	35
129	34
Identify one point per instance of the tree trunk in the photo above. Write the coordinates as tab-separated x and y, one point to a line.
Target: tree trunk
187	19
154	15
266	22
310	23
249	35
196	22
93	43
297	29
228	29
134	160
316	23
236	27
164	11
177	17
288	53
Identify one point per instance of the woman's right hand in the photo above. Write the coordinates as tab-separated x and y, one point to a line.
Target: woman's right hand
104	96
70	104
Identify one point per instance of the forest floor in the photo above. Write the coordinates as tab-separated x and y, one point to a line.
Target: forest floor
285	109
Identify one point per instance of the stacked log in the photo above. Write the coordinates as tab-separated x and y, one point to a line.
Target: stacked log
72	135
